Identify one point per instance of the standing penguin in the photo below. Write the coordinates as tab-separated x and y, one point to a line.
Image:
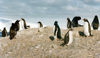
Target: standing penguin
95	23
75	21
87	28
25	26
4	32
40	24
57	31
68	23
68	38
13	31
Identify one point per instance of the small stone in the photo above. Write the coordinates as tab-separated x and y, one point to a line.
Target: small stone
38	46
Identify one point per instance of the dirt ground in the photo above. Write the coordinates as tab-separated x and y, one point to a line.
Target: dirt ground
37	43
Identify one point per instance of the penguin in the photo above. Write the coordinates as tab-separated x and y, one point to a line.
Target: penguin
95	23
57	31
68	38
17	25
75	21
25	26
28	26
4	32
21	25
68	23
13	31
87	28
40	24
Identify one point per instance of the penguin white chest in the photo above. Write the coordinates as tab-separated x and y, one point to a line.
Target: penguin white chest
38	25
21	24
54	32
67	23
53	29
86	29
70	37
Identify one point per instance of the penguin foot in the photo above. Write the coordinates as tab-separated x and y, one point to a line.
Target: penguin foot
91	35
62	44
86	36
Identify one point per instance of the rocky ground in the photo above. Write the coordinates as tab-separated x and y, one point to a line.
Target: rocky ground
37	43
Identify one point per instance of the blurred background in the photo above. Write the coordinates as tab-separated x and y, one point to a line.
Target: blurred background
46	11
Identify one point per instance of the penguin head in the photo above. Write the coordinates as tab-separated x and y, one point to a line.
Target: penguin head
85	20
56	23
22	18
40	23
4	28
13	24
68	19
77	18
96	16
17	21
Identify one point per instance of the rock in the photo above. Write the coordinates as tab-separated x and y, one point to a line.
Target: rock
53	46
98	42
40	29
40	36
37	46
76	33
97	55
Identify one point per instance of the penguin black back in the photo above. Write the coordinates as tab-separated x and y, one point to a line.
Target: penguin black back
4	32
17	25
55	24
95	23
13	31
57	29
68	23
24	23
41	25
66	38
75	21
